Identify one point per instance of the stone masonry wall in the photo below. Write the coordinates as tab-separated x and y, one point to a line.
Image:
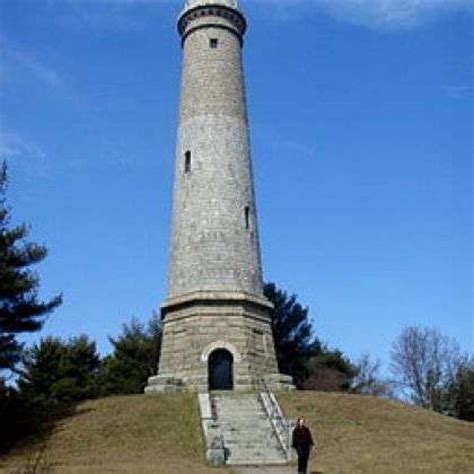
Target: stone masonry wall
191	334
215	296
214	246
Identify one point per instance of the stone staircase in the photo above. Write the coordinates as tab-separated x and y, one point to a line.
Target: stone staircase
245	430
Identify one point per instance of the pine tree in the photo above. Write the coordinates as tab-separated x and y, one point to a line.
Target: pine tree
20	308
299	352
292	333
135	358
464	392
61	371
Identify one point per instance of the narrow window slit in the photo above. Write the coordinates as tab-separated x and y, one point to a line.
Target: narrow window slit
187	161
247	217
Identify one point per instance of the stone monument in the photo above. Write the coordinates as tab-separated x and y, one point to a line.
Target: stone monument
216	325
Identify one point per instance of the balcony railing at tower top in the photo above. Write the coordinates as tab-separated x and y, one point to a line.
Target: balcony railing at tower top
198	3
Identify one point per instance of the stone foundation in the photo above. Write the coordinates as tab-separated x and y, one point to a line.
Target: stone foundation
200	323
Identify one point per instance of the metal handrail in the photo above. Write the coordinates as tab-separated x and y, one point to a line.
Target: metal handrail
280	424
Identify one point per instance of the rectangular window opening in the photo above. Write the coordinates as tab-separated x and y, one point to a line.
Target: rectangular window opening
247	217
213	42
187	161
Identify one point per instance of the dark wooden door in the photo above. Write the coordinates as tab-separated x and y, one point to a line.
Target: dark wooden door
221	368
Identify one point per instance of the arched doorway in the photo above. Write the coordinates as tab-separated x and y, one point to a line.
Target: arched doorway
221	369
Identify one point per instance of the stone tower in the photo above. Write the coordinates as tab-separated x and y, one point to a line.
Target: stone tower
217	332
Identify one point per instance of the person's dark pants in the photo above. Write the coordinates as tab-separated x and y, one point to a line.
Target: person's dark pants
303	455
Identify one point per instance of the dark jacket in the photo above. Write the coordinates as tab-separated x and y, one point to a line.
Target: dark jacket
302	437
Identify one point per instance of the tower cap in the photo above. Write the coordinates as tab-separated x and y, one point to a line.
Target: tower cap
199	3
193	9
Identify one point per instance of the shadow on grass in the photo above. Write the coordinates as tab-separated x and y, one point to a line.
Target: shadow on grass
36	463
26	424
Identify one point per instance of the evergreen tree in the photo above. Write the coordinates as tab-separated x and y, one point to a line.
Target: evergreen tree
292	330
292	333
135	358
61	371
461	392
19	417
299	352
20	308
328	370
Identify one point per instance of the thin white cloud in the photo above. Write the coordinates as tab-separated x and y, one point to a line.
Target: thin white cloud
377	14
12	146
24	154
374	14
120	2
43	73
104	15
459	92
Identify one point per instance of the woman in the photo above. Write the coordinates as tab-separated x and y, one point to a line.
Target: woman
302	442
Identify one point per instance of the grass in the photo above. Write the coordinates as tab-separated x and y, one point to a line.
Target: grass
131	434
359	434
162	434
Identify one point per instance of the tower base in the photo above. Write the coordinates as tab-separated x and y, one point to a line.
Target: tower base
217	341
168	384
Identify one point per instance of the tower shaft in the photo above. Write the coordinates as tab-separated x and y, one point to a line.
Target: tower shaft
215	237
216	322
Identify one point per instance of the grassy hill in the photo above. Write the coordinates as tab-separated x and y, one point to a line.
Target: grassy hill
355	434
358	434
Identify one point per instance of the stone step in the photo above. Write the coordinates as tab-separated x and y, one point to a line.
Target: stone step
251	440
241	411
250	445
261	433
256	432
240	425
246	424
244	441
252	462
245	420
247	432
255	458
252	403
238	402
249	402
233	444
244	437
260	453
244	411
241	421
239	407
243	415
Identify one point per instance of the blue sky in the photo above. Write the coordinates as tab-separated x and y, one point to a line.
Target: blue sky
362	135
